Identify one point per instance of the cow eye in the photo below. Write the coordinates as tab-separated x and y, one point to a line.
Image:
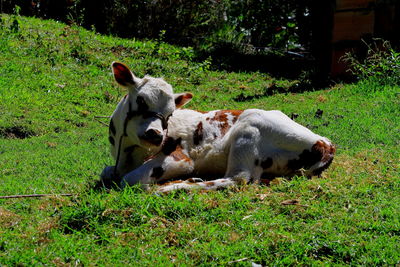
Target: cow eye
142	105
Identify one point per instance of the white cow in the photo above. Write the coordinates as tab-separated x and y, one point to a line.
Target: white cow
155	142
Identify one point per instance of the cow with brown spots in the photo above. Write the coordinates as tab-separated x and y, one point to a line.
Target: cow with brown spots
153	141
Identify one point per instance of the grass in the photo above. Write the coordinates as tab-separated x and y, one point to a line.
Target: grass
55	78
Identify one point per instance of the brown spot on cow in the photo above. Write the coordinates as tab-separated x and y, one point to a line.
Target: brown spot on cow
178	155
326	150
209	183
221	116
198	134
320	151
173	182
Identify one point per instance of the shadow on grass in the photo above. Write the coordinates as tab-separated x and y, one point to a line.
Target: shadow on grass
105	185
16	132
274	89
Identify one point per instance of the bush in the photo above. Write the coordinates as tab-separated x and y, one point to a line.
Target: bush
202	24
382	63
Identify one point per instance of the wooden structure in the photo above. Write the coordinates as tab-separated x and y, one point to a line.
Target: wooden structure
343	25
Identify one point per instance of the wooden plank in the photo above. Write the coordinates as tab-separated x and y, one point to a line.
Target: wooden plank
352	25
353	4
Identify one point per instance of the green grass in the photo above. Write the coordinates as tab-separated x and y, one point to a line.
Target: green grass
55	78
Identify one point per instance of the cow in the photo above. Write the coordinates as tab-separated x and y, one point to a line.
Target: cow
154	141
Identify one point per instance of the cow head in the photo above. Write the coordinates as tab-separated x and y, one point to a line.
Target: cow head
141	116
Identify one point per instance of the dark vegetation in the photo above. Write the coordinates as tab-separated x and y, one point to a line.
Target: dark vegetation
238	35
271	23
283	38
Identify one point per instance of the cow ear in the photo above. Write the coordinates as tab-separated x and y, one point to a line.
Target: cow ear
123	75
182	99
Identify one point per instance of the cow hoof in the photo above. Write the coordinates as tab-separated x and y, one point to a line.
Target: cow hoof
108	173
195	180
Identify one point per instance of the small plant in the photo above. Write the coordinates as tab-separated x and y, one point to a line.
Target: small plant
382	63
14	27
199	70
76	13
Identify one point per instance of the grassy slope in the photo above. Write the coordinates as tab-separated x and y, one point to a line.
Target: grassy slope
54	79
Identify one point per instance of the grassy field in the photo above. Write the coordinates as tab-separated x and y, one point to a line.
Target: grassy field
54	79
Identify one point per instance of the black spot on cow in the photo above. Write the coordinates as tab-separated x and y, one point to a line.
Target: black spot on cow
256	162
111	140
198	134
170	145
265	164
128	157
321	169
306	159
112	127
157	172
142	105
129	149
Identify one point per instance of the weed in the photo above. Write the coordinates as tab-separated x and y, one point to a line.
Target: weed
14	27
381	64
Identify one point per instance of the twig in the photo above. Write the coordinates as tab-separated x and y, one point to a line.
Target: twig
102	117
36	195
239	260
105	124
293	202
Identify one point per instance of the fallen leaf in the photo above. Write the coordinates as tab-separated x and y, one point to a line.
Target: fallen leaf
290	202
246	217
60	85
262	196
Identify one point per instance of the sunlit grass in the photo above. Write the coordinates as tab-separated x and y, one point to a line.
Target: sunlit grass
55	78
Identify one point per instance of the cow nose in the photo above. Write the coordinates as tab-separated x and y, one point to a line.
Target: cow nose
152	136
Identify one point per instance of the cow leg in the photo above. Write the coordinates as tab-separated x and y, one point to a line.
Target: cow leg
240	169
190	185
159	169
242	155
108	173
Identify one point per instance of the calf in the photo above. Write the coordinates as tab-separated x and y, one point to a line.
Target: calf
154	141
